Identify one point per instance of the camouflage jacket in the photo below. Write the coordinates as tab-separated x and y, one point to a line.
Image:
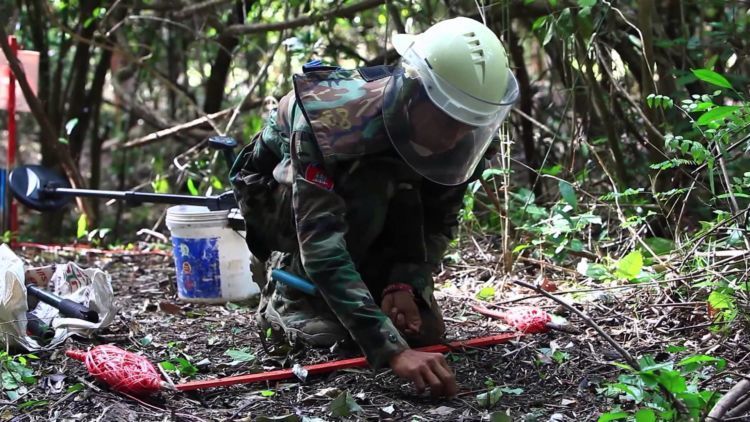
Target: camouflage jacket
352	198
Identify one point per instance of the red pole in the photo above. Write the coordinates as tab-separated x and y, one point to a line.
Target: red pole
320	368
11	157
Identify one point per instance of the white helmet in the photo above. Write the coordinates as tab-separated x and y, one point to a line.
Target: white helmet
461	67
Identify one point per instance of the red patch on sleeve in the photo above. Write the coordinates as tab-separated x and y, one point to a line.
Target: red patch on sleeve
316	175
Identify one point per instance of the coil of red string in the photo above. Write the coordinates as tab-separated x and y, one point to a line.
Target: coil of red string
527	319
121	370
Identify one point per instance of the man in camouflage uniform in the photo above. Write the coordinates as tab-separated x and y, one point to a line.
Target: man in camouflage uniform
356	181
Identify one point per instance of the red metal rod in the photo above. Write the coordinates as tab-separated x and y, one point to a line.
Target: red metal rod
321	368
11	153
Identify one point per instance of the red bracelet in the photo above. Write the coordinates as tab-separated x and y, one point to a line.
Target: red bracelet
398	287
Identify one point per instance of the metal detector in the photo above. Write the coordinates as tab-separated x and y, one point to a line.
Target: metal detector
42	189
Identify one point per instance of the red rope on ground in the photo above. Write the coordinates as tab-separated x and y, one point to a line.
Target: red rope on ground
121	370
526	319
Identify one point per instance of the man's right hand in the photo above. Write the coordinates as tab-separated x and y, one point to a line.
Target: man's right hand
425	370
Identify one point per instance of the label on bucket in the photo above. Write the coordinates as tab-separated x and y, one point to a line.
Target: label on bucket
197	265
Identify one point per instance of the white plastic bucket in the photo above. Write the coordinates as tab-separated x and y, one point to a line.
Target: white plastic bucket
212	261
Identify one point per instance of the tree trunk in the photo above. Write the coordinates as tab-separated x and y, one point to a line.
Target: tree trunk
527	131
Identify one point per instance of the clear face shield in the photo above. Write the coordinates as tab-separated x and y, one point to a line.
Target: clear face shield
441	148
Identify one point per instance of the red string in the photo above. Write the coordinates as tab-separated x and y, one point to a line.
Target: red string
121	370
527	319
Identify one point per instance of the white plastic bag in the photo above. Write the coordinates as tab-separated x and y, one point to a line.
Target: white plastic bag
90	287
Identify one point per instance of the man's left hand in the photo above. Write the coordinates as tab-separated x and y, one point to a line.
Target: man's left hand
403	311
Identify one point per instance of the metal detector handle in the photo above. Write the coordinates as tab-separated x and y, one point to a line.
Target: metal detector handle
67	307
226	145
294	282
225	201
38	328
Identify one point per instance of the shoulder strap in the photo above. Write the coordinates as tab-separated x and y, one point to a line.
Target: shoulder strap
373	73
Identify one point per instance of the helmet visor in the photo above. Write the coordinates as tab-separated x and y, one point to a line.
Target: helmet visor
439	147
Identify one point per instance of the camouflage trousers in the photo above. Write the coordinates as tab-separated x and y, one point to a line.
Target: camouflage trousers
311	313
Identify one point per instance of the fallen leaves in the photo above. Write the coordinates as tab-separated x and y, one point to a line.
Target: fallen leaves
344	405
239	356
441	411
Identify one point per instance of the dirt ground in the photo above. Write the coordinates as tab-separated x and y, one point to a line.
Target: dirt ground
555	376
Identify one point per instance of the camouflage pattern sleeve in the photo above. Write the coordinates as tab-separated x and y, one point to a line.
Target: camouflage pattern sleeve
321	229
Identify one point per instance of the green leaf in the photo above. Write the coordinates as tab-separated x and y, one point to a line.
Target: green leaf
500	417
232	306
185	368
630	266
695	403
676	349
711	77
239	356
160	185
486	293
168	366
539	22
645	415
691	363
191	187
72	123
216	183
568	193
490	398
715	114
672	381
9	381
32	403
612	416
548	35
514	391
586	3
75	388
83	226
521	247
344	405
267	393
719	299
659	245
597	271
553	170
490	173
623	366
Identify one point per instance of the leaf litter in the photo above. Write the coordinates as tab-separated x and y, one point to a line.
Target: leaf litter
553	376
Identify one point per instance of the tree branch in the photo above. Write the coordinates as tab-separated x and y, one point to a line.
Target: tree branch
199	7
728	401
49	135
302	20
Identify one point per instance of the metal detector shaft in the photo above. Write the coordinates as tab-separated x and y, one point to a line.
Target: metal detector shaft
220	202
67	307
